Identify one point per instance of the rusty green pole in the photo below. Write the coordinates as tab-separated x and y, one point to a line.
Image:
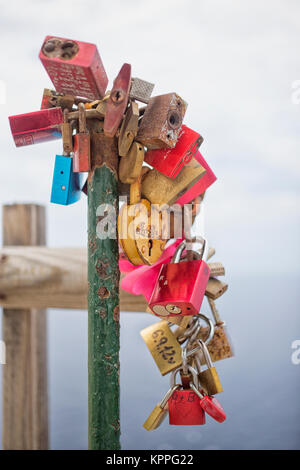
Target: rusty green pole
103	294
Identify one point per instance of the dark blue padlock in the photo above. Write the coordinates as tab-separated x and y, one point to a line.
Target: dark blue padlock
66	185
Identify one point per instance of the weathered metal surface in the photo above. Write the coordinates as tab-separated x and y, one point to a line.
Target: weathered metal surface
82	144
141	90
103	299
162	120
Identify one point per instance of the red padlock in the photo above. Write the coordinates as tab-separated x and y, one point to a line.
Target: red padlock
171	160
201	185
210	405
74	67
117	101
184	405
180	286
36	127
82	144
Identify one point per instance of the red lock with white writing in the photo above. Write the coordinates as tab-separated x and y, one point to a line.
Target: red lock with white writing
75	67
184	405
180	286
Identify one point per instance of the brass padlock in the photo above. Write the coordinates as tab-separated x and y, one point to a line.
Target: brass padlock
163	346
209	378
129	128
162	120
216	269
159	189
130	167
215	288
159	413
135	230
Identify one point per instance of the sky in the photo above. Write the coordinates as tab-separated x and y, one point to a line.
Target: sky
233	62
236	64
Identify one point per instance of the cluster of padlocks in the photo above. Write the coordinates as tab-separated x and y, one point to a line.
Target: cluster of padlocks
162	172
185	341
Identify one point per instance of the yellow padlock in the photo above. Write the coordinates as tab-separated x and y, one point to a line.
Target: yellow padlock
160	411
138	239
163	346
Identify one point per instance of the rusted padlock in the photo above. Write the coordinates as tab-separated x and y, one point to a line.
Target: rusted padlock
53	99
82	144
66	132
162	120
220	347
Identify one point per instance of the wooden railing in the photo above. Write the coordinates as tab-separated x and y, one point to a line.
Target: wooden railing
33	278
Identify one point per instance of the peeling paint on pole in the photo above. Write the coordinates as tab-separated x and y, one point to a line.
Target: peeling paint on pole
103	302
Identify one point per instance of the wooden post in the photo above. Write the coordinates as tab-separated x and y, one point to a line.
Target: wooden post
24	385
103	297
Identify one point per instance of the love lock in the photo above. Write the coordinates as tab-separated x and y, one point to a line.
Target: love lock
180	286
184	405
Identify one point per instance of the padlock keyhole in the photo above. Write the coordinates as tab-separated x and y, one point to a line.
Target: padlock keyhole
150	245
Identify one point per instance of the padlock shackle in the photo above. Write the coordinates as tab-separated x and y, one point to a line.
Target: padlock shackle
203	255
197	391
168	395
191	330
190	369
203	241
177	255
206	354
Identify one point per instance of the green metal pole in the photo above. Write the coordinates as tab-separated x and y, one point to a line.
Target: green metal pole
103	297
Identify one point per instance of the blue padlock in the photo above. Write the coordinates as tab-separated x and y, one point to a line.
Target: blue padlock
66	185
